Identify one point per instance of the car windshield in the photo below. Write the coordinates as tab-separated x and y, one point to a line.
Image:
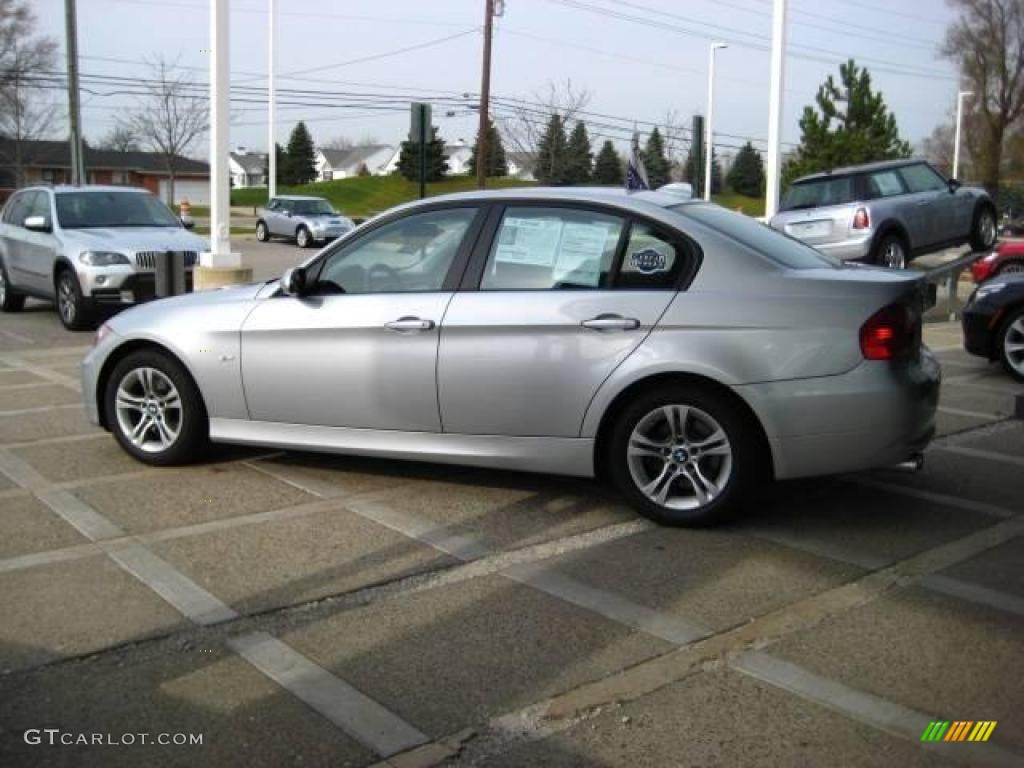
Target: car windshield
91	210
780	248
312	207
817	193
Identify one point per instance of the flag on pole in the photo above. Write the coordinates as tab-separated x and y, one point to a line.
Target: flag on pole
636	174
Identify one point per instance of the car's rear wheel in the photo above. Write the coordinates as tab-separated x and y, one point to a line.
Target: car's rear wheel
1011	344
683	455
71	307
155	410
891	252
302	238
983	233
261	232
10	301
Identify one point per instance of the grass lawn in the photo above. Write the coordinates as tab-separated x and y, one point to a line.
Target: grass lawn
752	206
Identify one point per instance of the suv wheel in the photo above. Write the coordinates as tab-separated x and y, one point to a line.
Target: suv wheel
683	456
155	410
261	232
9	300
70	302
891	253
1011	344
302	238
983	233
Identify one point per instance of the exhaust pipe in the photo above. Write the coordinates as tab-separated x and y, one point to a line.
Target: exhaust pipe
914	464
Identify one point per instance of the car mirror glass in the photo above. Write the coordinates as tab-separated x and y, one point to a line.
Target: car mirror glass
293	282
954	185
188	222
37	224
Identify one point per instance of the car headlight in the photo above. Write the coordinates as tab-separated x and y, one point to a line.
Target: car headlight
102	258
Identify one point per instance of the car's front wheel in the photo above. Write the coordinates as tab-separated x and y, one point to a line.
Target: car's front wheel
71	307
302	238
1011	344
155	410
262	234
683	455
983	233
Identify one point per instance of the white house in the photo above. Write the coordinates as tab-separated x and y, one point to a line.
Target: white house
345	163
248	169
521	165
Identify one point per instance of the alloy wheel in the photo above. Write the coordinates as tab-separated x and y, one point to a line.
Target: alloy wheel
261	232
987	228
302	239
149	409
66	300
1013	345
3	287
893	256
679	457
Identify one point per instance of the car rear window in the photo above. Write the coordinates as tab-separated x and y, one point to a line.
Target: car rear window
818	193
780	248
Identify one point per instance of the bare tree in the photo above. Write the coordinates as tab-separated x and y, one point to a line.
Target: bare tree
170	118
120	139
338	142
522	121
987	41
26	74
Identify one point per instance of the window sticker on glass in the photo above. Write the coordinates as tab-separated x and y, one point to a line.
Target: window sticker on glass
648	261
529	241
581	250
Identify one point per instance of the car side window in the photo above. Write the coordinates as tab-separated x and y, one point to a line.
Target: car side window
273	205
412	254
539	249
653	260
921	178
40	206
17	211
884	184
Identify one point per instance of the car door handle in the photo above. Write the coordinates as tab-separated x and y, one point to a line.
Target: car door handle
611	323
406	324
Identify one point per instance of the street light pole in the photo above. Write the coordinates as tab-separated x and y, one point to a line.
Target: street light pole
778	60
956	135
709	151
485	97
271	103
74	94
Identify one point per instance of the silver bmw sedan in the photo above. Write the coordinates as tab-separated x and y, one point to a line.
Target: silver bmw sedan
683	351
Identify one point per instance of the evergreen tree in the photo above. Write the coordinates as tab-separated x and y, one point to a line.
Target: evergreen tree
497	162
437	164
608	166
696	178
301	160
282	165
851	125
659	170
747	173
579	158
551	153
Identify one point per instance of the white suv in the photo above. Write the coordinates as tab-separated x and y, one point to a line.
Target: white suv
87	248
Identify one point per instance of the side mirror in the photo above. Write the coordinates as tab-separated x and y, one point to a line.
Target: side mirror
954	185
293	282
38	224
188	222
288	214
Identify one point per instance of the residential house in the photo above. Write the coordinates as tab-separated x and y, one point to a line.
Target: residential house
521	165
248	169
50	162
345	163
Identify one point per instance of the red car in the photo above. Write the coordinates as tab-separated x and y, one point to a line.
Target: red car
1007	257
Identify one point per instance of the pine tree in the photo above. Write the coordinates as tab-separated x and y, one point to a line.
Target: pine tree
497	162
659	170
747	173
301	162
437	164
579	159
551	153
282	165
608	166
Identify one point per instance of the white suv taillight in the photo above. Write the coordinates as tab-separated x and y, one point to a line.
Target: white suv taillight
861	219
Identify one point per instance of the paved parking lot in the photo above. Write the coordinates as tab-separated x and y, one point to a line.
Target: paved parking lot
295	609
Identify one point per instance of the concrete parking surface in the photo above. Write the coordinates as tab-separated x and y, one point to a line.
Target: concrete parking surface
294	609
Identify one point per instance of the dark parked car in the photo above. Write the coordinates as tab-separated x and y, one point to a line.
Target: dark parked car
993	322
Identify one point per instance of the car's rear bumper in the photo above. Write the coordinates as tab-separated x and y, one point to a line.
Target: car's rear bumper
877	414
853	249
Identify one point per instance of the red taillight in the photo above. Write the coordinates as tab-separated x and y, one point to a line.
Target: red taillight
982	269
890	333
861	220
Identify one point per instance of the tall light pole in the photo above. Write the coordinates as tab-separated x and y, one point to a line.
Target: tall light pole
708	134
271	103
74	95
778	61
956	135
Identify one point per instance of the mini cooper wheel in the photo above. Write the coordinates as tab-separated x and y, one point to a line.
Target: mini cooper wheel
683	456
1011	344
261	232
302	238
10	301
155	410
984	231
70	302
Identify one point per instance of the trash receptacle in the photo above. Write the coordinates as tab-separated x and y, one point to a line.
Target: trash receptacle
170	274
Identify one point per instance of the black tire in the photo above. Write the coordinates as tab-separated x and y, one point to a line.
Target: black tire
262	233
983	229
303	238
1012	329
891	252
10	300
741	475
71	306
193	427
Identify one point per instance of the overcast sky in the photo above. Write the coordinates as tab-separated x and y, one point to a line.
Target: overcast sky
639	59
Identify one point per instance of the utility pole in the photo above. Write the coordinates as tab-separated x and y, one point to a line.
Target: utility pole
778	61
956	136
485	97
271	104
74	105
